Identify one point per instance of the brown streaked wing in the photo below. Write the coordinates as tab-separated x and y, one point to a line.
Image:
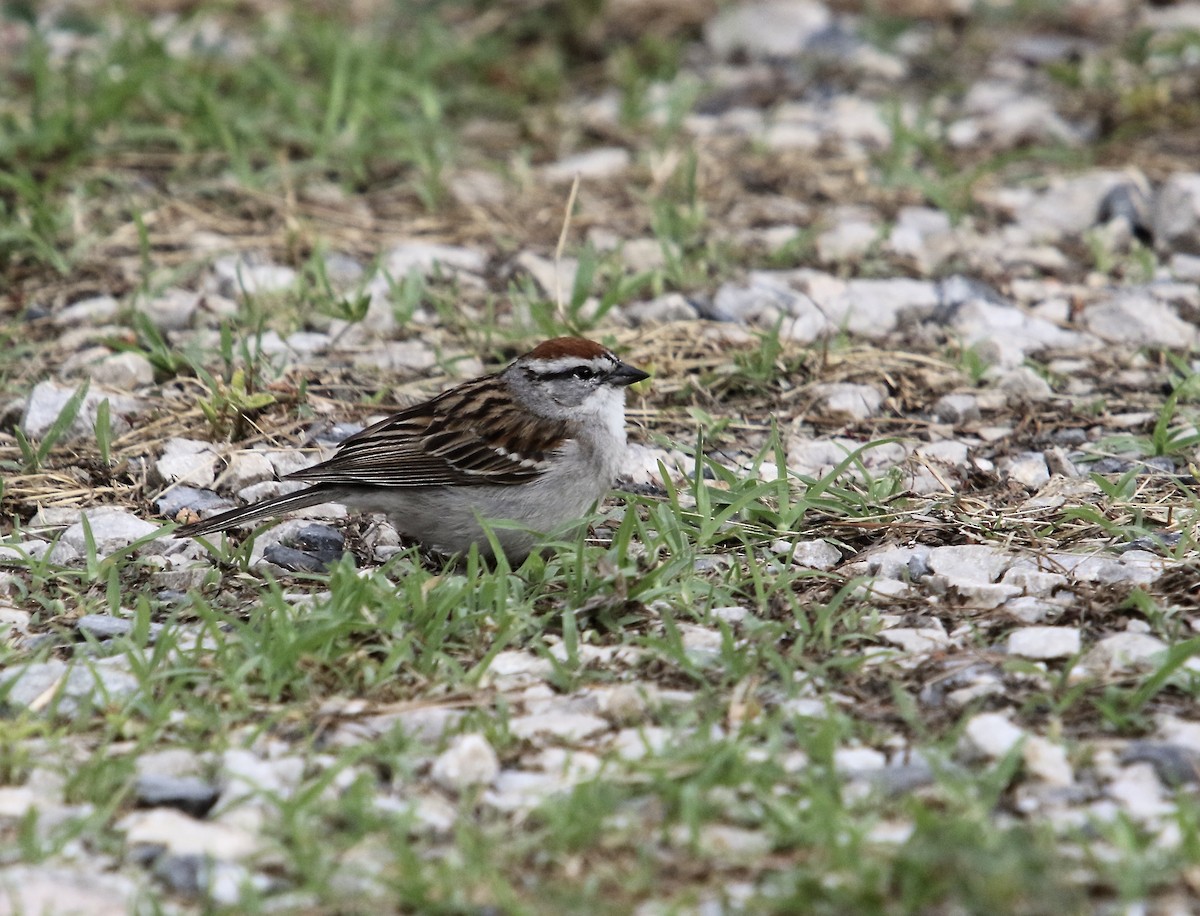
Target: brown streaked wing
444	442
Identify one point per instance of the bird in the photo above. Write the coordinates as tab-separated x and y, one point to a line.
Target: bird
533	446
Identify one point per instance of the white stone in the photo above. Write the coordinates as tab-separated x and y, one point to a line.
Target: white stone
1177	213
521	790
426	258
244	774
969	562
992	734
183	835
857	402
637	743
1139	793
957	408
1124	652
917	639
84	890
173	310
847	240
188	461
94	311
818	457
603	162
111	529
814	554
1070	205
244	469
726	843
515	666
469	761
858	759
1044	642
1034	582
123	371
765	29
666	308
47	400
566	726
1047	761
1026	468
983	596
237	277
1135	319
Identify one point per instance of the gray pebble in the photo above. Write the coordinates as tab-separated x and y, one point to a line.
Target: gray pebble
186	793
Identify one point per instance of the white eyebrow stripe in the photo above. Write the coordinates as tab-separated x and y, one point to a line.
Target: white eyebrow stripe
563	363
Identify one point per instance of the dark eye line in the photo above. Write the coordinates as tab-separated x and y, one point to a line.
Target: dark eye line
579	372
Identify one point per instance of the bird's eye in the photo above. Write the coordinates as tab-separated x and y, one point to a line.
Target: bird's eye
583	372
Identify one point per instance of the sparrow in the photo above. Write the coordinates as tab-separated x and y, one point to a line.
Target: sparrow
536	445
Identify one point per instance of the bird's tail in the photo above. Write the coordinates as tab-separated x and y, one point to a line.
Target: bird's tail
269	508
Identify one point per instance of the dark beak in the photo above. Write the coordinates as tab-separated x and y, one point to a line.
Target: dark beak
625	375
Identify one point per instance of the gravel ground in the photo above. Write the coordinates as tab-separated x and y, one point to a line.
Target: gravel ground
945	273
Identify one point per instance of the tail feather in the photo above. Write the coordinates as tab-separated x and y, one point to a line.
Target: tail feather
269	508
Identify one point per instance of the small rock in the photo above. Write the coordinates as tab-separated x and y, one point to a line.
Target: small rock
68	690
186	793
104	626
1133	318
1023	385
671	307
244	775
1177	213
856	402
514	668
47	400
202	502
728	844
769	29
1139	793
42	889
701	644
1033	582
520	790
94	311
173	310
812	554
1044	642
992	735
853	234
112	529
123	371
1175	765
188	461
427	258
1047	761
623	704
957	408
917	640
1124	652
969	562
566	726
244	469
182	835
851	760
603	162
469	761
236	276
1026	468
1070	205
1032	610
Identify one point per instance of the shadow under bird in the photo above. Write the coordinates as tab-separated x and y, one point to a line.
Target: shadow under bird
536	445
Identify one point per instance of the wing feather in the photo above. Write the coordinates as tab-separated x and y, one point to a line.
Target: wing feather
468	435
